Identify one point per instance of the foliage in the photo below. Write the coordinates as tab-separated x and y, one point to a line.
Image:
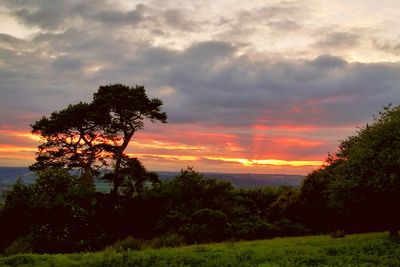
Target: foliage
54	212
205	225
19	245
337	234
61	216
314	199
134	177
71	139
250	228
191	191
361	181
285	206
167	240
124	110
127	244
90	136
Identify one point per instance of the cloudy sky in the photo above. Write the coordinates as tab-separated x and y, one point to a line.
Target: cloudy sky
248	86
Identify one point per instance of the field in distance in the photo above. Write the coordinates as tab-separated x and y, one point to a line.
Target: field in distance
8	176
372	249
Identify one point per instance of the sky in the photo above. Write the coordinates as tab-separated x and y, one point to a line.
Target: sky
248	86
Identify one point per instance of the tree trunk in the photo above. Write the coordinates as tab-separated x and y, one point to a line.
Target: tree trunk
120	154
115	188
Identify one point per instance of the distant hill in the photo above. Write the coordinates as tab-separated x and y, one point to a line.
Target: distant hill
8	176
247	180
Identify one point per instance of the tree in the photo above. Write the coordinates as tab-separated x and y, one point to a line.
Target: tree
124	110
71	139
91	136
364	174
133	177
317	211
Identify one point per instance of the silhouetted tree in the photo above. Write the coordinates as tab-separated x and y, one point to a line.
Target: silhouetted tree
124	110
90	136
364	177
133	177
72	138
317	211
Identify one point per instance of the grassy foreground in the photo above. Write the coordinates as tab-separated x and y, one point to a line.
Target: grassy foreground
373	249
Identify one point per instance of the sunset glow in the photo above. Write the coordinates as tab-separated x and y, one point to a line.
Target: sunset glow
276	162
22	134
180	154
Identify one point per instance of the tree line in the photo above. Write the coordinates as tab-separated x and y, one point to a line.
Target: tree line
356	190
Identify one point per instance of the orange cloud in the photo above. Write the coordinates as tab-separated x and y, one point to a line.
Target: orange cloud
12	149
164	145
169	157
296	141
286	128
23	134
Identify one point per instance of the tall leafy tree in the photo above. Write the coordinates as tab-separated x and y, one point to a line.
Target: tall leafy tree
91	136
124	110
71	139
364	174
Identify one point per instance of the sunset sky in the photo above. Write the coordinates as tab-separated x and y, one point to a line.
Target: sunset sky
248	86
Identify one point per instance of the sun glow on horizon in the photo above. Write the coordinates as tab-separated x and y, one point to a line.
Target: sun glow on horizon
163	151
274	162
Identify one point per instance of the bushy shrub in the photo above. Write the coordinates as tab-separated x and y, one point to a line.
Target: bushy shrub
167	240
205	225
252	227
19	245
290	228
127	244
337	234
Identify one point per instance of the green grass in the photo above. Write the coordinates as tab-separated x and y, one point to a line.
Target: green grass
373	249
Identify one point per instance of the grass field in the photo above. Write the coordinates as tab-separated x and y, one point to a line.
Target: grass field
373	249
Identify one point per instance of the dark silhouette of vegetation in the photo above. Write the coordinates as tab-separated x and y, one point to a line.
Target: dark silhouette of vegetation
356	190
92	136
360	183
